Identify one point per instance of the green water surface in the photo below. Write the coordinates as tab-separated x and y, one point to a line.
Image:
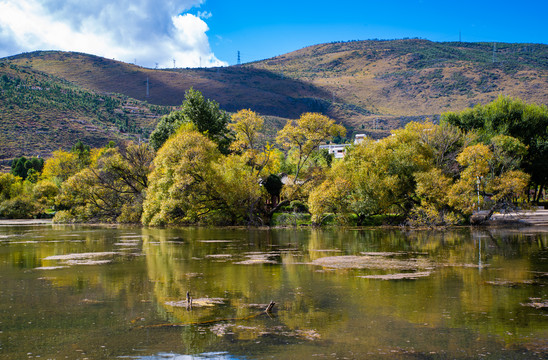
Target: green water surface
480	294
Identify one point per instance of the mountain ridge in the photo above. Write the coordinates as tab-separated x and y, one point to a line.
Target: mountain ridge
370	86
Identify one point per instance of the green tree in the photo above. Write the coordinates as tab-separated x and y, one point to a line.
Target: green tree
21	166
206	116
83	152
515	118
110	189
18	167
166	127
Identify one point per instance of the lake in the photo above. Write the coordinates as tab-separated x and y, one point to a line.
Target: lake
82	292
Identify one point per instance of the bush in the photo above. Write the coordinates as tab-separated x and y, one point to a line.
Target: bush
131	213
18	208
289	219
64	217
298	206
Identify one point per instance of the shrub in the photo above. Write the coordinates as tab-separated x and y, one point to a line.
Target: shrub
18	208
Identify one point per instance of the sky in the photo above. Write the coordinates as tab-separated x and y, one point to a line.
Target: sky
204	33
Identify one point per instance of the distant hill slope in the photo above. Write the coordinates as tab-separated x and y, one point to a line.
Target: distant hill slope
40	113
234	88
416	77
369	86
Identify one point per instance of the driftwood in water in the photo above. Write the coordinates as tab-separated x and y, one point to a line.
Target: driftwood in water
188	301
269	307
267	311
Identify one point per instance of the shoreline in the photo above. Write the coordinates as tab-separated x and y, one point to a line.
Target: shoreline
8	222
536	218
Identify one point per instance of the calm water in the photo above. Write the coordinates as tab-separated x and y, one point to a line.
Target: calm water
476	294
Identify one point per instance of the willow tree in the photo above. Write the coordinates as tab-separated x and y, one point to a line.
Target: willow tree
302	138
425	173
110	189
192	182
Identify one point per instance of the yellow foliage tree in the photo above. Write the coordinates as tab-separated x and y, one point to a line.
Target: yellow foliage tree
192	183
61	166
302	137
247	126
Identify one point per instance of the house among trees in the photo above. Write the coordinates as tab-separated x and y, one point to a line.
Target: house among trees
339	150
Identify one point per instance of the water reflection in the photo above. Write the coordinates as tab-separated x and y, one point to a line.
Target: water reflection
478	299
205	356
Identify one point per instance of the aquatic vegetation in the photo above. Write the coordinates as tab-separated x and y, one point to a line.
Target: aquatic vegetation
372	262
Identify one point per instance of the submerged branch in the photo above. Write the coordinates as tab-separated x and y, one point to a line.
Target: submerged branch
267	312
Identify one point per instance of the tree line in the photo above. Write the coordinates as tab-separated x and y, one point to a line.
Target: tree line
204	166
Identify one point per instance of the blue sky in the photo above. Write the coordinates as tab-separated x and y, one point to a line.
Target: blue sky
210	32
265	29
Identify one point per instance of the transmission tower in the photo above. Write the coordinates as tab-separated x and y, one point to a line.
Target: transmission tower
494	51
239	62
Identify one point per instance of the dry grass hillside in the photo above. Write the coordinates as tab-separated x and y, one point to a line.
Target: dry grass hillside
234	88
402	78
369	86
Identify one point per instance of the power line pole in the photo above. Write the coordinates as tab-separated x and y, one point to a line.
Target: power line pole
239	61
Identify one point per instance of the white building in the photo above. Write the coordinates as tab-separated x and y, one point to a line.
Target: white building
339	150
359	138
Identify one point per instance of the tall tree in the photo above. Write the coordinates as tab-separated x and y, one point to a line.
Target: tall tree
249	139
512	117
166	127
303	137
206	116
193	183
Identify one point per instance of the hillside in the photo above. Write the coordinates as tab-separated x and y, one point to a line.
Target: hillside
399	78
41	113
234	87
369	86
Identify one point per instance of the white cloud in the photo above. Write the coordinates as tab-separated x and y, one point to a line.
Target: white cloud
204	14
150	31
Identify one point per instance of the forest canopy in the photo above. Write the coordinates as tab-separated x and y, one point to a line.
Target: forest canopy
203	166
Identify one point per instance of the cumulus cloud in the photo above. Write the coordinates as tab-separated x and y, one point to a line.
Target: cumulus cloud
149	31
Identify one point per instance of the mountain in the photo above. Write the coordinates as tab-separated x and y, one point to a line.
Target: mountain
40	113
401	78
369	86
